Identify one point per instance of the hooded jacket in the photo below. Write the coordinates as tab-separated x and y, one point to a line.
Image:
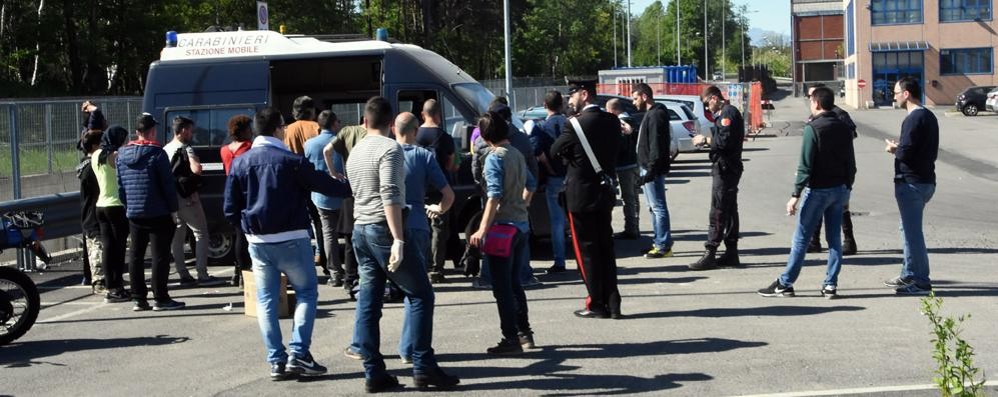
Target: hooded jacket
145	182
654	137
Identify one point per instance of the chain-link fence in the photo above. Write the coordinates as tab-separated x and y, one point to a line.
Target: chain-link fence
38	138
524	96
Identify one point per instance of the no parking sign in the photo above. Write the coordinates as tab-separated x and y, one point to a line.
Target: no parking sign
262	16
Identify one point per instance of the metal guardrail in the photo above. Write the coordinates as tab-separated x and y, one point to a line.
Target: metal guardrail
62	219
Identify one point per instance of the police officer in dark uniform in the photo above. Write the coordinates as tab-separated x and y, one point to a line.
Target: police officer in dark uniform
590	197
726	171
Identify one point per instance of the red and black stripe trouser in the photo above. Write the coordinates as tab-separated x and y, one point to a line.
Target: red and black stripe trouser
592	238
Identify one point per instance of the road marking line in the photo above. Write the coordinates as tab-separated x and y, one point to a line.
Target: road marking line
70	314
861	390
50	304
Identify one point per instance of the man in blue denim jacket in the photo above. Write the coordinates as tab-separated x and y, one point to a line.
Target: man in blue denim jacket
265	195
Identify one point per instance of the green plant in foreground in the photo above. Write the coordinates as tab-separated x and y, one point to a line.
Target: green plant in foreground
954	355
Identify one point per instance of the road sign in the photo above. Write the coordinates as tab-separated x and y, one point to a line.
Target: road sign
861	83
262	16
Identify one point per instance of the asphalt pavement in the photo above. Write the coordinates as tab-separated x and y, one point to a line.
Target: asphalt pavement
685	333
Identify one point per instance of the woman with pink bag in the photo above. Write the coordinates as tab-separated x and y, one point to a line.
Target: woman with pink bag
505	232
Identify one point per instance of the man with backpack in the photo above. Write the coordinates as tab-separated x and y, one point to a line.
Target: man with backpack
190	214
431	136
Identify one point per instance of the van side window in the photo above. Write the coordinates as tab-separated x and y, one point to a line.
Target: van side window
412	101
210	125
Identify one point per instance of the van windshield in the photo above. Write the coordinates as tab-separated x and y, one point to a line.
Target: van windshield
479	97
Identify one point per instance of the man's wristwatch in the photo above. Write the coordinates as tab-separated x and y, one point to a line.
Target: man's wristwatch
795	195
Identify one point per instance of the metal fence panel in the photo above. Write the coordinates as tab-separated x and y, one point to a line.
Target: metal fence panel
43	135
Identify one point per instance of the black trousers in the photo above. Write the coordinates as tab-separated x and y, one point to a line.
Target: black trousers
592	239
723	225
114	231
846	228
243	260
159	232
440	229
313	214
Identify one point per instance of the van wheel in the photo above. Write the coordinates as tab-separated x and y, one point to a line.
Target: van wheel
221	249
970	110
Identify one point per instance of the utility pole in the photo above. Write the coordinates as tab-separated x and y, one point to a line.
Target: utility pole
724	40
679	50
658	30
614	36
628	33
706	62
509	62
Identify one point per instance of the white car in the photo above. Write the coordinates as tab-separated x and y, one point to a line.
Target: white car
706	127
684	127
991	104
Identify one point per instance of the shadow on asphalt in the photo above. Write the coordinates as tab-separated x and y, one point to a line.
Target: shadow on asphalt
782	311
26	354
549	372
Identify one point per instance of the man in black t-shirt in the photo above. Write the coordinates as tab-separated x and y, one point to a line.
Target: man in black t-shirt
431	136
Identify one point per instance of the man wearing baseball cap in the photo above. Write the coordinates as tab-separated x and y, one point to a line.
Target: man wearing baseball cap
145	185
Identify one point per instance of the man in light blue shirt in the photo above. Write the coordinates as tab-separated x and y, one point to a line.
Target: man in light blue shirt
328	207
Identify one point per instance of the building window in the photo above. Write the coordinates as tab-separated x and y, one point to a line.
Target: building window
850	29
966	61
964	10
893	12
851	73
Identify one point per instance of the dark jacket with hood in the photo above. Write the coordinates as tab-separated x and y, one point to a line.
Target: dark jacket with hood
145	181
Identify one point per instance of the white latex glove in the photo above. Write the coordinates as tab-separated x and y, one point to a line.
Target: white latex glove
395	259
433	211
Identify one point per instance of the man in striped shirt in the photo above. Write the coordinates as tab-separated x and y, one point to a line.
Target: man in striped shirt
376	170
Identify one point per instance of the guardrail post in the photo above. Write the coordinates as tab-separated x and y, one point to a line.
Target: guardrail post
48	133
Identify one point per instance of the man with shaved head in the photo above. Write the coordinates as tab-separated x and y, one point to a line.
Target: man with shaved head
422	171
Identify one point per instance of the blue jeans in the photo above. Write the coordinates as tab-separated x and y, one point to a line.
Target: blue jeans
814	204
507	289
294	259
556	215
912	198
525	273
372	244
416	242
655	195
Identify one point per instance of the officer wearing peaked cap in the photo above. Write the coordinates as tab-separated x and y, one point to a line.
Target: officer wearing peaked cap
590	195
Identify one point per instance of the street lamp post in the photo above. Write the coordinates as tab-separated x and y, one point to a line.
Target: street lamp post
628	33
706	62
679	50
509	61
724	40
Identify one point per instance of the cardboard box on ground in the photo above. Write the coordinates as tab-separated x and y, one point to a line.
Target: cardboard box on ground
287	298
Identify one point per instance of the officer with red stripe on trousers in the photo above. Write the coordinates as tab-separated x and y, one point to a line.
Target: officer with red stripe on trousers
590	197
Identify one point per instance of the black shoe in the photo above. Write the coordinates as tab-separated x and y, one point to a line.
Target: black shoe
848	247
277	372
437	378
616	315
776	289
586	313
706	262
437	278
626	236
141	306
506	347
188	282
377	385
899	282
914	289
556	269
117	296
527	341
813	248
236	280
729	258
305	366
335	282
829	292
168	305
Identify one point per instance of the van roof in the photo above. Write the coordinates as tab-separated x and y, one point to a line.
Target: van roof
264	43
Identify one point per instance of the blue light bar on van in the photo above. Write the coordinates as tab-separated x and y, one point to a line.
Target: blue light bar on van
171	39
381	34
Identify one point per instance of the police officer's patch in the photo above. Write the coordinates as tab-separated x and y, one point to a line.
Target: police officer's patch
726	122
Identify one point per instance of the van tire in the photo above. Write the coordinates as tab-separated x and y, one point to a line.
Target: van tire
221	249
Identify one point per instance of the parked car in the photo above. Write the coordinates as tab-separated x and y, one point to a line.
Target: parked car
684	127
705	121
972	99
992	102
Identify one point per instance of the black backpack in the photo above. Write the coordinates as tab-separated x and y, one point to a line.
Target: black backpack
187	181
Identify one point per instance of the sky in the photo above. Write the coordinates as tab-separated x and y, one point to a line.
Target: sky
772	15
